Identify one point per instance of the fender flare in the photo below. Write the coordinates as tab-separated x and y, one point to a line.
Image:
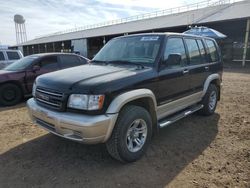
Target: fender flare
129	96
124	98
209	79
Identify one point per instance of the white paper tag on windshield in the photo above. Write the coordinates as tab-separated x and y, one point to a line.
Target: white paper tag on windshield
150	38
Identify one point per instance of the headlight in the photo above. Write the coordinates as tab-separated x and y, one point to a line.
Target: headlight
86	102
34	90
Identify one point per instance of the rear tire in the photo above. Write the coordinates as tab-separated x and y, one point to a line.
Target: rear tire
10	94
131	135
209	101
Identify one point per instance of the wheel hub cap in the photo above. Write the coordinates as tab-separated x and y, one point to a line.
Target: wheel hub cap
212	100
9	95
136	135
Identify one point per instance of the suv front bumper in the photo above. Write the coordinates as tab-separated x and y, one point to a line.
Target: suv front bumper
77	127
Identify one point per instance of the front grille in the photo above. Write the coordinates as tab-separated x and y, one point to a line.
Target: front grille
49	98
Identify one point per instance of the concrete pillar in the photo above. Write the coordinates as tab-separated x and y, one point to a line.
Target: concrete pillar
62	47
246	43
104	40
53	44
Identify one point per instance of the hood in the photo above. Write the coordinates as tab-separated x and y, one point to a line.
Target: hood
90	78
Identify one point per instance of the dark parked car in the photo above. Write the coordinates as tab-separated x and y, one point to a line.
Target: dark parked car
16	80
134	86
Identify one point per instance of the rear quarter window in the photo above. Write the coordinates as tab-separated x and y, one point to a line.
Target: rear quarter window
13	55
212	50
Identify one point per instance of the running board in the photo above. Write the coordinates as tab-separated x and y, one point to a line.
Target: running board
169	120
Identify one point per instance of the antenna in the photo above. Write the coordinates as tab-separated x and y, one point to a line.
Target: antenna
20	29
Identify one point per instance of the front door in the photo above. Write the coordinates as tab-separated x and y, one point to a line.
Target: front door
173	76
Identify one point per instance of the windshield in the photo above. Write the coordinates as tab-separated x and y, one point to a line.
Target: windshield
136	49
21	64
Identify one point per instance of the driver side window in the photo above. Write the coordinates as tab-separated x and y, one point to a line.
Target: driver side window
49	63
174	47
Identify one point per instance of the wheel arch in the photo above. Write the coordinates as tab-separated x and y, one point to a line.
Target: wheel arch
212	79
127	97
140	97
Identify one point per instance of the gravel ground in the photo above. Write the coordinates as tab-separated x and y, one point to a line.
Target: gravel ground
194	152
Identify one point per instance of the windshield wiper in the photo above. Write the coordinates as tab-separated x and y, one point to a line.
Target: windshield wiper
127	62
97	61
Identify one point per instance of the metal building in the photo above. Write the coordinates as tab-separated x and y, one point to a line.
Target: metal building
228	17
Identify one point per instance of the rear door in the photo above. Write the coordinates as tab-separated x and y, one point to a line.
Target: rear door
197	63
173	78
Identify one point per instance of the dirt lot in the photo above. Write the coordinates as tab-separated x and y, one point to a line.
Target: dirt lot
194	152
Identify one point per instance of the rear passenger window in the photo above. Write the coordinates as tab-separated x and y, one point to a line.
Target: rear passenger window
202	51
174	46
194	53
13	55
212	52
49	63
1	56
69	61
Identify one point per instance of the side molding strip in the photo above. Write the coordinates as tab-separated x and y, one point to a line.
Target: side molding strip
177	105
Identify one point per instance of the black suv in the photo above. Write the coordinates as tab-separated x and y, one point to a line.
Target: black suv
134	86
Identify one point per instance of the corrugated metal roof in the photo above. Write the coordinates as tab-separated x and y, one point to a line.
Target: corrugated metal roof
217	13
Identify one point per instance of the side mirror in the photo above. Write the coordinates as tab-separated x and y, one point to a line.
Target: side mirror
36	68
173	59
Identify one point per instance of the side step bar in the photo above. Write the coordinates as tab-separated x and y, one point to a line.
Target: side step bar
169	120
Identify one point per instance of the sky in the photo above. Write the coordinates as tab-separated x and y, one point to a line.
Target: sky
49	16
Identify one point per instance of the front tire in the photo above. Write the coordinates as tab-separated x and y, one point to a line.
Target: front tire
10	94
209	101
131	135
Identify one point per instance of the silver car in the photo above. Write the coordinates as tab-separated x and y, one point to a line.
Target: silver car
9	56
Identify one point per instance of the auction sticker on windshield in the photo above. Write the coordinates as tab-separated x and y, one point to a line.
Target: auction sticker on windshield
150	38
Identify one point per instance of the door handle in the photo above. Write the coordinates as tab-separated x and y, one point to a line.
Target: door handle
185	71
206	68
